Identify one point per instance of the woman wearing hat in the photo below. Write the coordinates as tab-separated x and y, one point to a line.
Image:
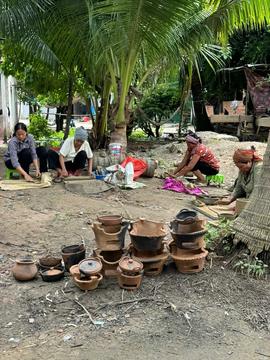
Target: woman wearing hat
198	159
73	155
249	165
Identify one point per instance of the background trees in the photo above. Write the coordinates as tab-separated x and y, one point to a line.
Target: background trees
114	48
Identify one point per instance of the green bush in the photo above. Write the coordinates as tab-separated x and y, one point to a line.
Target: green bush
39	126
138	134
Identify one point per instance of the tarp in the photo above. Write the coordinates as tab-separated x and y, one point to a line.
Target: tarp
259	89
139	166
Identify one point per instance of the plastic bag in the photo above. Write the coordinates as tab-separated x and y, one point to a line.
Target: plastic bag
139	166
129	173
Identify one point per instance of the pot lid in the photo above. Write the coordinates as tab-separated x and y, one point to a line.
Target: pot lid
90	266
130	265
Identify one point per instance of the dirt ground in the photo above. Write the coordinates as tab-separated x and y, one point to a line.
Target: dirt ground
215	314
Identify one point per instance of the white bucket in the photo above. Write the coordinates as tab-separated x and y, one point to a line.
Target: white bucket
115	150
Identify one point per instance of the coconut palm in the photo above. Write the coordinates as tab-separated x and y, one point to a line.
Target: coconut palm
108	40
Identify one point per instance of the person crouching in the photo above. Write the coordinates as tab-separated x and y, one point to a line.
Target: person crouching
73	155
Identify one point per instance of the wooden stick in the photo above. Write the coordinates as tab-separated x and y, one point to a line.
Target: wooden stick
259	353
112	303
86	311
82	306
74	178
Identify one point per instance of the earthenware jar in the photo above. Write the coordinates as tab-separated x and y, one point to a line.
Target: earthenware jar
130	266
24	269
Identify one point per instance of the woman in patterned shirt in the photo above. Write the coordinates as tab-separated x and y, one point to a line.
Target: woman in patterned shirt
198	159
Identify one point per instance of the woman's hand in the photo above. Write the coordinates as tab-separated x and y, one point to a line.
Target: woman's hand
38	173
224	201
28	178
64	173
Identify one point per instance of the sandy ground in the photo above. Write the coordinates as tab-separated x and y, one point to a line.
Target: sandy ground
216	314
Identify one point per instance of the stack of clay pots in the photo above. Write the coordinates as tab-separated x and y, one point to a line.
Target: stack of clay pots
110	233
187	247
147	245
129	273
87	274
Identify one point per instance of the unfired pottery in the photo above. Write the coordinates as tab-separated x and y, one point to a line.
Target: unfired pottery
129	282
147	235
24	269
188	261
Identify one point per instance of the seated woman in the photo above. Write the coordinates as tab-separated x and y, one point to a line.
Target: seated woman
22	152
198	159
72	156
249	165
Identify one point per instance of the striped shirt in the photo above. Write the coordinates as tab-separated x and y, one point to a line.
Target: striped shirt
15	146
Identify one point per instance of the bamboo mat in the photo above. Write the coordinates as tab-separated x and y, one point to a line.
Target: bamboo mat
214	212
15	185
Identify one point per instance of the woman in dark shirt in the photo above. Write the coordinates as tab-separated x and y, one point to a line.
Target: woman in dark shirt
21	153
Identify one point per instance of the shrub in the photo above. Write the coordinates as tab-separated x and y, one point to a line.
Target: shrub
39	126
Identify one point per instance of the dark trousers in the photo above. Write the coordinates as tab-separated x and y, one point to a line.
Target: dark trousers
205	168
25	159
77	164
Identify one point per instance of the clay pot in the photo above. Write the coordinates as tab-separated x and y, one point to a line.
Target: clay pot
75	271
110	241
196	244
188	235
110	261
151	167
130	266
147	235
53	274
24	269
90	266
72	255
111	229
129	282
48	262
186	216
108	220
188	261
240	205
180	228
152	265
90	283
146	254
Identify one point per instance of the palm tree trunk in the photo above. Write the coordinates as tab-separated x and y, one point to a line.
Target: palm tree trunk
252	227
70	100
202	120
103	120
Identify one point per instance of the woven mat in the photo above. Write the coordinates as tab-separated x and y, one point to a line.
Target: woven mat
15	185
